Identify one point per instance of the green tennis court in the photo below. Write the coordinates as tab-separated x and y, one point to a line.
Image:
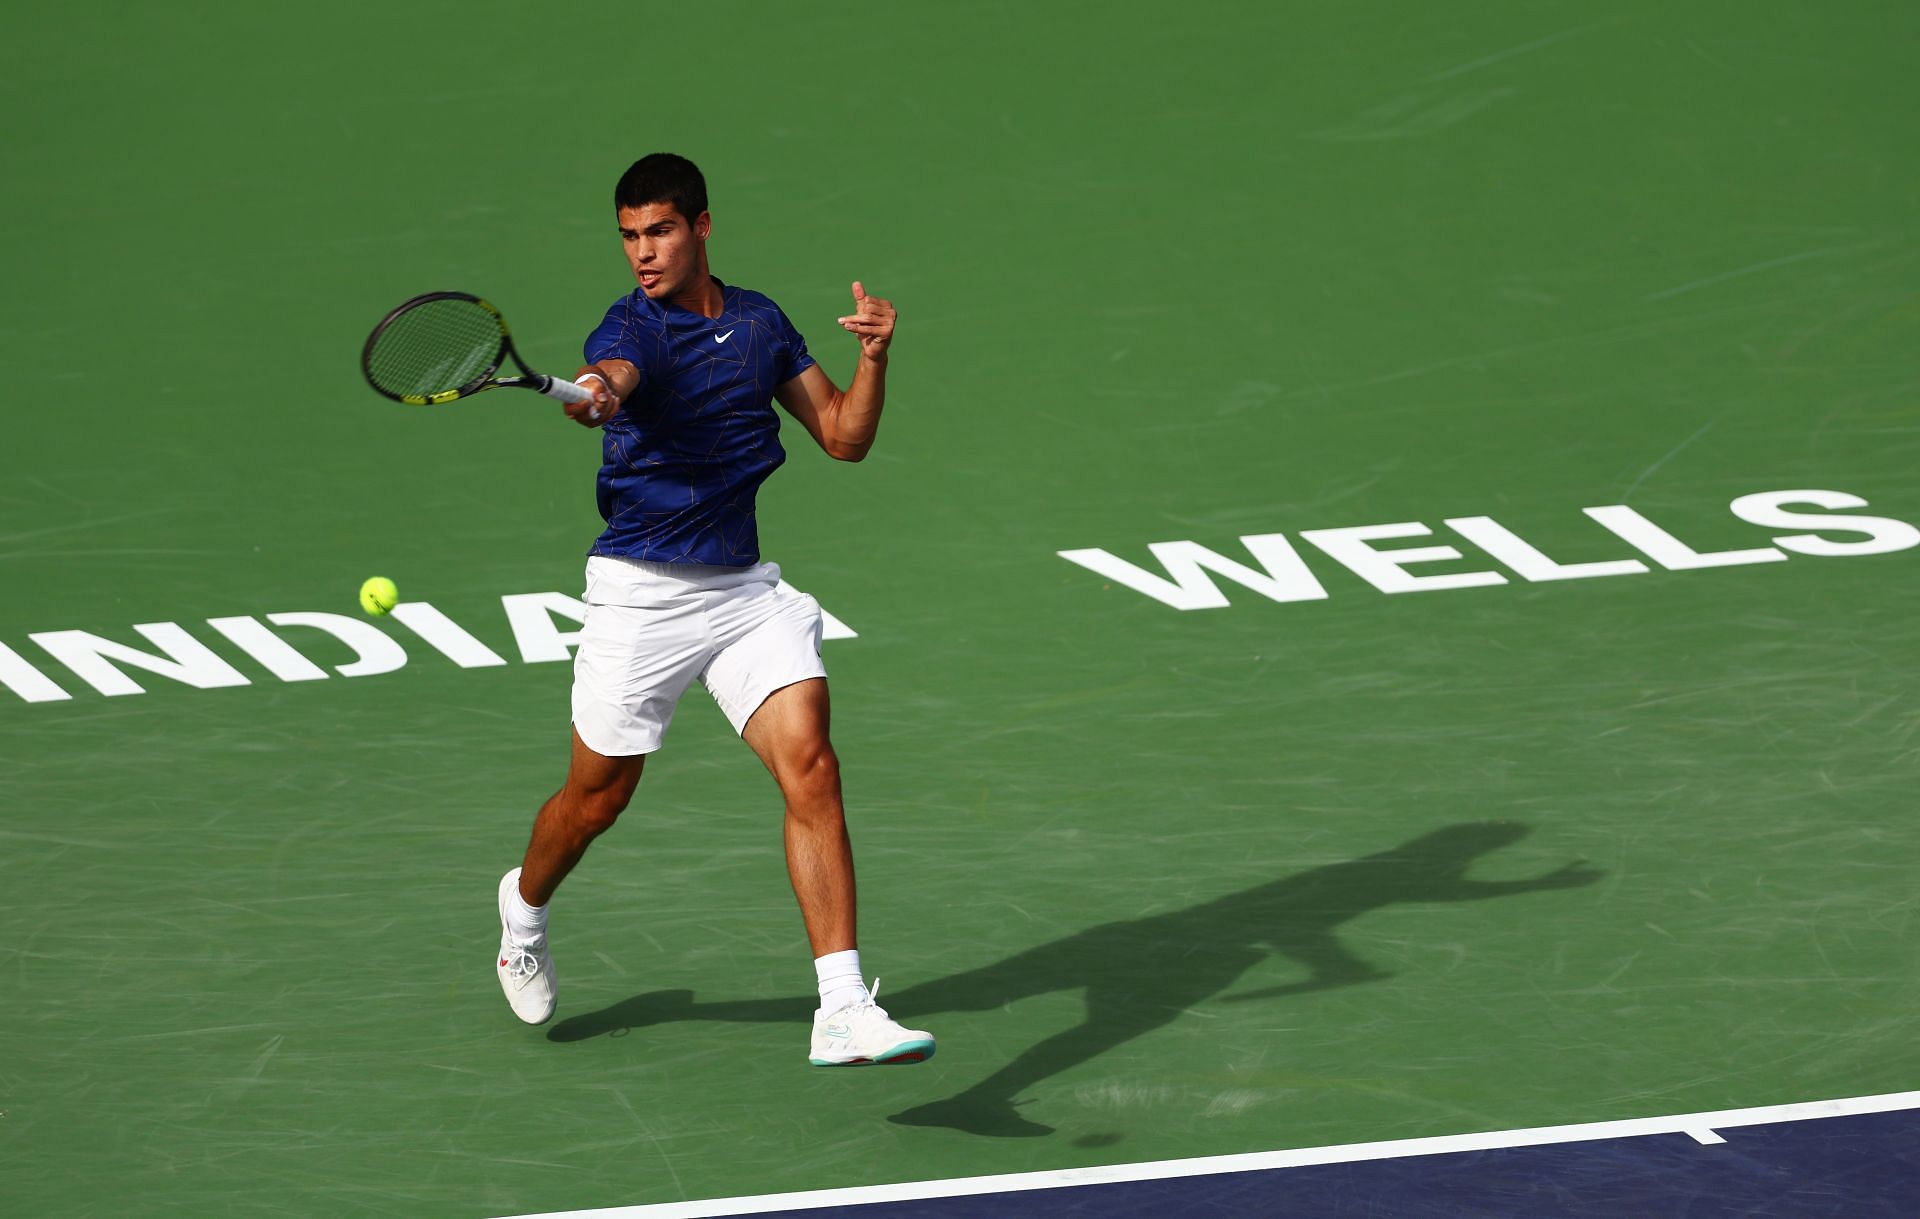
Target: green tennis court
1288	871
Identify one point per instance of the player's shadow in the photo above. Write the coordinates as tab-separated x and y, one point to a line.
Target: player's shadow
1141	974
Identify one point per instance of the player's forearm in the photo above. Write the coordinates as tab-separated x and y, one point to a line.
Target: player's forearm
619	375
856	416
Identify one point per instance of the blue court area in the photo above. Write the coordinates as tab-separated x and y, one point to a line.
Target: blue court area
1859	1160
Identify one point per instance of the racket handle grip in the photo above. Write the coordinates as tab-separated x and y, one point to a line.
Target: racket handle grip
565	391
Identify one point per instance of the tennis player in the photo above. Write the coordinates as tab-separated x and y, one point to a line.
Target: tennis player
685	371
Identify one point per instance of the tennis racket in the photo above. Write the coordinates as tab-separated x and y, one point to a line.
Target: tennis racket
446	345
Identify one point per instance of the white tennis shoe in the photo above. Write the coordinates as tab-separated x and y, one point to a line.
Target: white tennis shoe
526	970
860	1035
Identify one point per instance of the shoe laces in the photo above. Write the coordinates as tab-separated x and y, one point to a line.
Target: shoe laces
522	963
857	1009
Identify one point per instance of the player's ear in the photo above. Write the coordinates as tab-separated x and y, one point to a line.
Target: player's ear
702	225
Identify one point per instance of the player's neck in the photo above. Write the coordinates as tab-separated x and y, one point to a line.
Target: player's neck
703	296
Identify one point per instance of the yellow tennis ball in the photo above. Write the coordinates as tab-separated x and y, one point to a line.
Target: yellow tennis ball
378	595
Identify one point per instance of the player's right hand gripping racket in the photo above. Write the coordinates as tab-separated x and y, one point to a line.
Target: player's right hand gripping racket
448	345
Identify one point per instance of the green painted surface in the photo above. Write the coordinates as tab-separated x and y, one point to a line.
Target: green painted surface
1179	883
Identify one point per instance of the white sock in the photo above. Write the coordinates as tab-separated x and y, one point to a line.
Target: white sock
840	982
524	923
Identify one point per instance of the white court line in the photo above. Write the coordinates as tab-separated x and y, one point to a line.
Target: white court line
1700	1126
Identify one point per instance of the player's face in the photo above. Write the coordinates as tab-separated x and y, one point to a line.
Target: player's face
663	248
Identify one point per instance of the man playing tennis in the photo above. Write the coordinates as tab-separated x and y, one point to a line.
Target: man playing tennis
685	371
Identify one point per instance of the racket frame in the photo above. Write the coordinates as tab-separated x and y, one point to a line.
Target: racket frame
565	391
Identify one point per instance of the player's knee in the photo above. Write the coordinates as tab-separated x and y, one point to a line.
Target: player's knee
594	812
811	781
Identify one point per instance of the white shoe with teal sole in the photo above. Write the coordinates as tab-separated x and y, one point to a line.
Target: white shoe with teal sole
861	1035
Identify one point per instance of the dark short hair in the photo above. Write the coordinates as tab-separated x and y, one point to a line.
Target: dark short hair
662	177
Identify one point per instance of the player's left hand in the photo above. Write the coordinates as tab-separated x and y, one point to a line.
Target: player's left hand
871	322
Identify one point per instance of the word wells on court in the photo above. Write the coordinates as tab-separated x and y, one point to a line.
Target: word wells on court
1186	581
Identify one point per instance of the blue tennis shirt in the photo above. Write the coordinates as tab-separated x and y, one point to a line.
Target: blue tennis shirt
683	458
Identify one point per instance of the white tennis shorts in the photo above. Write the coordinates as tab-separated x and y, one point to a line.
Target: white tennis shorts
652	628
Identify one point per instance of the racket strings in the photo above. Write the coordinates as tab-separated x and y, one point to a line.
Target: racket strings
434	347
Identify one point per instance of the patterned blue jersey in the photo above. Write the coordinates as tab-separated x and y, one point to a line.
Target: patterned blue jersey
683	458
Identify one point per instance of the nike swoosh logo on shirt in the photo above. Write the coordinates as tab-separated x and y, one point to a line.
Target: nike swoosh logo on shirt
721	338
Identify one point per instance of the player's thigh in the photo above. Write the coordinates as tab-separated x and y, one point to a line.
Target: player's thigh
790	734
629	671
773	643
791	723
595	775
